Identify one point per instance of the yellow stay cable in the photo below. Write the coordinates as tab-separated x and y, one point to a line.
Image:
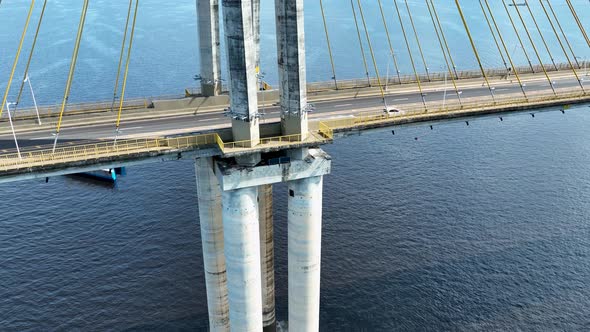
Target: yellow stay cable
410	53
485	15
573	10
514	69
389	42
358	31
417	40
518	36
569	45
371	51
442	34
569	61
116	89
542	37
442	48
22	84
127	67
72	70
483	72
329	46
533	44
20	47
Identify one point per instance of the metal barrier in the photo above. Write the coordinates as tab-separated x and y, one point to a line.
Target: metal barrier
80	108
373	117
100	150
78	153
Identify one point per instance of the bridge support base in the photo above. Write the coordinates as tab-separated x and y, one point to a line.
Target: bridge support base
242	254
265	208
209	197
305	238
303	171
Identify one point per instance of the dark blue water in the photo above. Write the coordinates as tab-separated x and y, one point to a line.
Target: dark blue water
480	227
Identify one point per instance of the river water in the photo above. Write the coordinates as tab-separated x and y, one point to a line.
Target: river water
479	227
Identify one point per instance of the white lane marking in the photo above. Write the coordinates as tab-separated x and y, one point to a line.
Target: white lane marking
343	105
401	99
41	138
210	120
132	128
502	89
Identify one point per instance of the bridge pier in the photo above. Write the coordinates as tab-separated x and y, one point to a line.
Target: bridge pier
265	208
209	197
305	243
242	254
208	28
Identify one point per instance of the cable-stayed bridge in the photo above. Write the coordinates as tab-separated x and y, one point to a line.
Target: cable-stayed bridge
251	137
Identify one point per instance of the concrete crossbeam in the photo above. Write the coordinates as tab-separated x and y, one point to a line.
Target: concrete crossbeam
232	177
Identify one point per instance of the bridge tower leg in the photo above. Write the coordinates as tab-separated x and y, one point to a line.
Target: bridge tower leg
292	67
208	27
210	216
239	36
242	253
267	257
256	31
305	195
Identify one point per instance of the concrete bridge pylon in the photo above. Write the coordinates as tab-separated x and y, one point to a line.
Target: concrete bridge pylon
242	199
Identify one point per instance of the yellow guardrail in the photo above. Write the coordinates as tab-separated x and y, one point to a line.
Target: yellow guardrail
100	150
77	153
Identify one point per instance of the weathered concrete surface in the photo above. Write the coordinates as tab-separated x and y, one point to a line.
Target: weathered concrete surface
208	27
211	223
233	177
267	266
304	257
292	66
242	254
239	38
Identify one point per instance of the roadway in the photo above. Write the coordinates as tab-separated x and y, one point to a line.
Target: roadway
328	109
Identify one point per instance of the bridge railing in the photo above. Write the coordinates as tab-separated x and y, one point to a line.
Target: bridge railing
100	150
79	108
393	79
96	151
372	117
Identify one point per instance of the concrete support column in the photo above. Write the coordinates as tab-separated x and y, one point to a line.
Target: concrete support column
237	17
242	254
305	234
208	26
292	67
209	197
256	31
267	257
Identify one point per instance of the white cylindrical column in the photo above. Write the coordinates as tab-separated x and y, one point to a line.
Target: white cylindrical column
209	197
242	255
267	257
305	234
